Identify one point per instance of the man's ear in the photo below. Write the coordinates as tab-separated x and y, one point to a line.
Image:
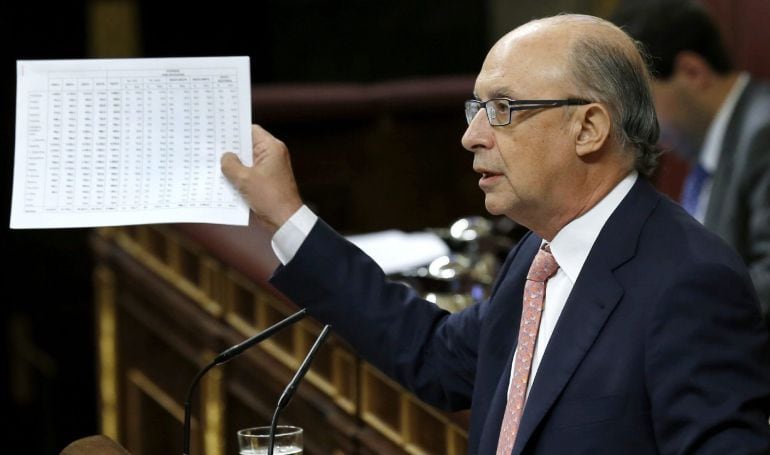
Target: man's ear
693	70
595	126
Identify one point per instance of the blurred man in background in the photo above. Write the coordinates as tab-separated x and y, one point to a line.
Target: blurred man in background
719	119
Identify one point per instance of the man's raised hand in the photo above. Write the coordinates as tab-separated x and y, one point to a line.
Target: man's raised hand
268	186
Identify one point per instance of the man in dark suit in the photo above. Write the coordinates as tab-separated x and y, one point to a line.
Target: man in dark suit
719	119
619	325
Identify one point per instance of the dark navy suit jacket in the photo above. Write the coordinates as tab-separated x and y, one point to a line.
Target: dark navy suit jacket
660	347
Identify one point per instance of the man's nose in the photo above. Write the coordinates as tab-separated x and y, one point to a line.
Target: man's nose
478	135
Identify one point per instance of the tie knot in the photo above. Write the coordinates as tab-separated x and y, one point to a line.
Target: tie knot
543	267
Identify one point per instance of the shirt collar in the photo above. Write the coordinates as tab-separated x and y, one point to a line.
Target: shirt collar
571	245
709	156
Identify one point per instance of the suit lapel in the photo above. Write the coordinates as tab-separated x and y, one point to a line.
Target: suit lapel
592	300
734	157
581	321
723	174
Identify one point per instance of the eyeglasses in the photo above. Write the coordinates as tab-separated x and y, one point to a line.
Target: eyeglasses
499	109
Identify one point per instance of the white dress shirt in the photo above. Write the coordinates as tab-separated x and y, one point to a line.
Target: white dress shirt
289	237
712	144
570	248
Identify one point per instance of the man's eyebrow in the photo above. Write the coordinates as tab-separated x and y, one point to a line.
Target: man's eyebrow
501	93
496	93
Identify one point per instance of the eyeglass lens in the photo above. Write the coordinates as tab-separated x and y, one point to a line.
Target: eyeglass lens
498	110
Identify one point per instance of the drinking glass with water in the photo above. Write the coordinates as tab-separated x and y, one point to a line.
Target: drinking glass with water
254	441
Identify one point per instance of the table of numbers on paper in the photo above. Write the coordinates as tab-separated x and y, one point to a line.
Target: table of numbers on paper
129	141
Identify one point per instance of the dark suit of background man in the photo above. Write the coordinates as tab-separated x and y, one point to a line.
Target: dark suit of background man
721	117
650	338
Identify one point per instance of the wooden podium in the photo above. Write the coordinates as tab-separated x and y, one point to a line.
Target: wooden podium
170	297
167	303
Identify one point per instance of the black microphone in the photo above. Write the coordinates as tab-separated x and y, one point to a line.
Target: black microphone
288	392
226	356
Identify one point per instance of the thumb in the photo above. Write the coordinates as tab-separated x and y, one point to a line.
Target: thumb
232	167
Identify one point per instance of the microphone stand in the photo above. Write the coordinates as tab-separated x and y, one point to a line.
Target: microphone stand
288	392
224	357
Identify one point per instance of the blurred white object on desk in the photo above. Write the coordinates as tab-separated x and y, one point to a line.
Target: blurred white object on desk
396	251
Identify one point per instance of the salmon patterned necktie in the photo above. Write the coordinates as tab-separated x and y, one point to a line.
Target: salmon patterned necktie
543	267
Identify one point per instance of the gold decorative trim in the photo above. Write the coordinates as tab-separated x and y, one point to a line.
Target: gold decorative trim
344	365
414	413
152	390
231	287
211	278
407	426
139	383
387	429
104	282
321	382
378	424
213	413
280	354
457	441
107	232
165	267
113	28
304	335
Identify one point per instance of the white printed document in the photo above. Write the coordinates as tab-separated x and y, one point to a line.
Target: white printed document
129	141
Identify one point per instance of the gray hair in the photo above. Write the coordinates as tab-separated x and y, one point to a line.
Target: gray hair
606	72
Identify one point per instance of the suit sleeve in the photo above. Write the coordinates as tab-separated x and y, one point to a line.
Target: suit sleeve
707	365
430	351
759	222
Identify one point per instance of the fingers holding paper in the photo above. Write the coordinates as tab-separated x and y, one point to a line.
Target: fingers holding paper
268	186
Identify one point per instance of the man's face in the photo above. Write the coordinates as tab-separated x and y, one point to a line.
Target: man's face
525	165
682	124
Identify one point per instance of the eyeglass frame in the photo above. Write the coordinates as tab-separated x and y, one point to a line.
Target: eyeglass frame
520	105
